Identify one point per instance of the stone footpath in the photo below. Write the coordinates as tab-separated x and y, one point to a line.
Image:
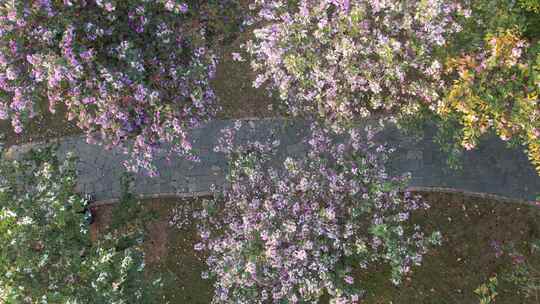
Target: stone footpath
491	168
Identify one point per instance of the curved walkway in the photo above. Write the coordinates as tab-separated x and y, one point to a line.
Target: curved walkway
491	168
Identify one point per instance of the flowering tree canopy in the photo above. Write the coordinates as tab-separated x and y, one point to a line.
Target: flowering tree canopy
349	59
295	232
46	254
125	70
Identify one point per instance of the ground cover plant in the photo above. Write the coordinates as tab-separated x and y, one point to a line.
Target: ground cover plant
46	252
523	271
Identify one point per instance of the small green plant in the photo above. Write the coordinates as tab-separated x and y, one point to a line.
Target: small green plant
487	291
524	272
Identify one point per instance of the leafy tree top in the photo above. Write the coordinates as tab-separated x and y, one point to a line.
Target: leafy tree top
46	254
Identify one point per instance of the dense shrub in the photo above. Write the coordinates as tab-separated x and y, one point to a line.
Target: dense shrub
497	88
125	70
46	254
492	70
294	232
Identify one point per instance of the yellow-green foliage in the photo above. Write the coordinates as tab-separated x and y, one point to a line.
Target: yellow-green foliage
530	5
487	291
497	88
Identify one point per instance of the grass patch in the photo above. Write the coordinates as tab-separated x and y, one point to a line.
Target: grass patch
449	274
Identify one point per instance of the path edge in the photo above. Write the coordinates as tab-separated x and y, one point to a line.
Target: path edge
440	190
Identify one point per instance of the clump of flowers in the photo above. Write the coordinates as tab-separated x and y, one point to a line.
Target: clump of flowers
302	229
496	87
126	70
348	59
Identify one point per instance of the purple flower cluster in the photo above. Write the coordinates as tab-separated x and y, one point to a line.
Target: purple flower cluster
299	230
126	70
345	59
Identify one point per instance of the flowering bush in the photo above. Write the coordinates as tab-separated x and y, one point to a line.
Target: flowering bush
46	255
350	59
497	88
292	233
134	69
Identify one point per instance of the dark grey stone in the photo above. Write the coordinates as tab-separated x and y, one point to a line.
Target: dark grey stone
491	167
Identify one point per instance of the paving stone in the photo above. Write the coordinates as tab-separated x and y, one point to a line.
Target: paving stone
492	167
